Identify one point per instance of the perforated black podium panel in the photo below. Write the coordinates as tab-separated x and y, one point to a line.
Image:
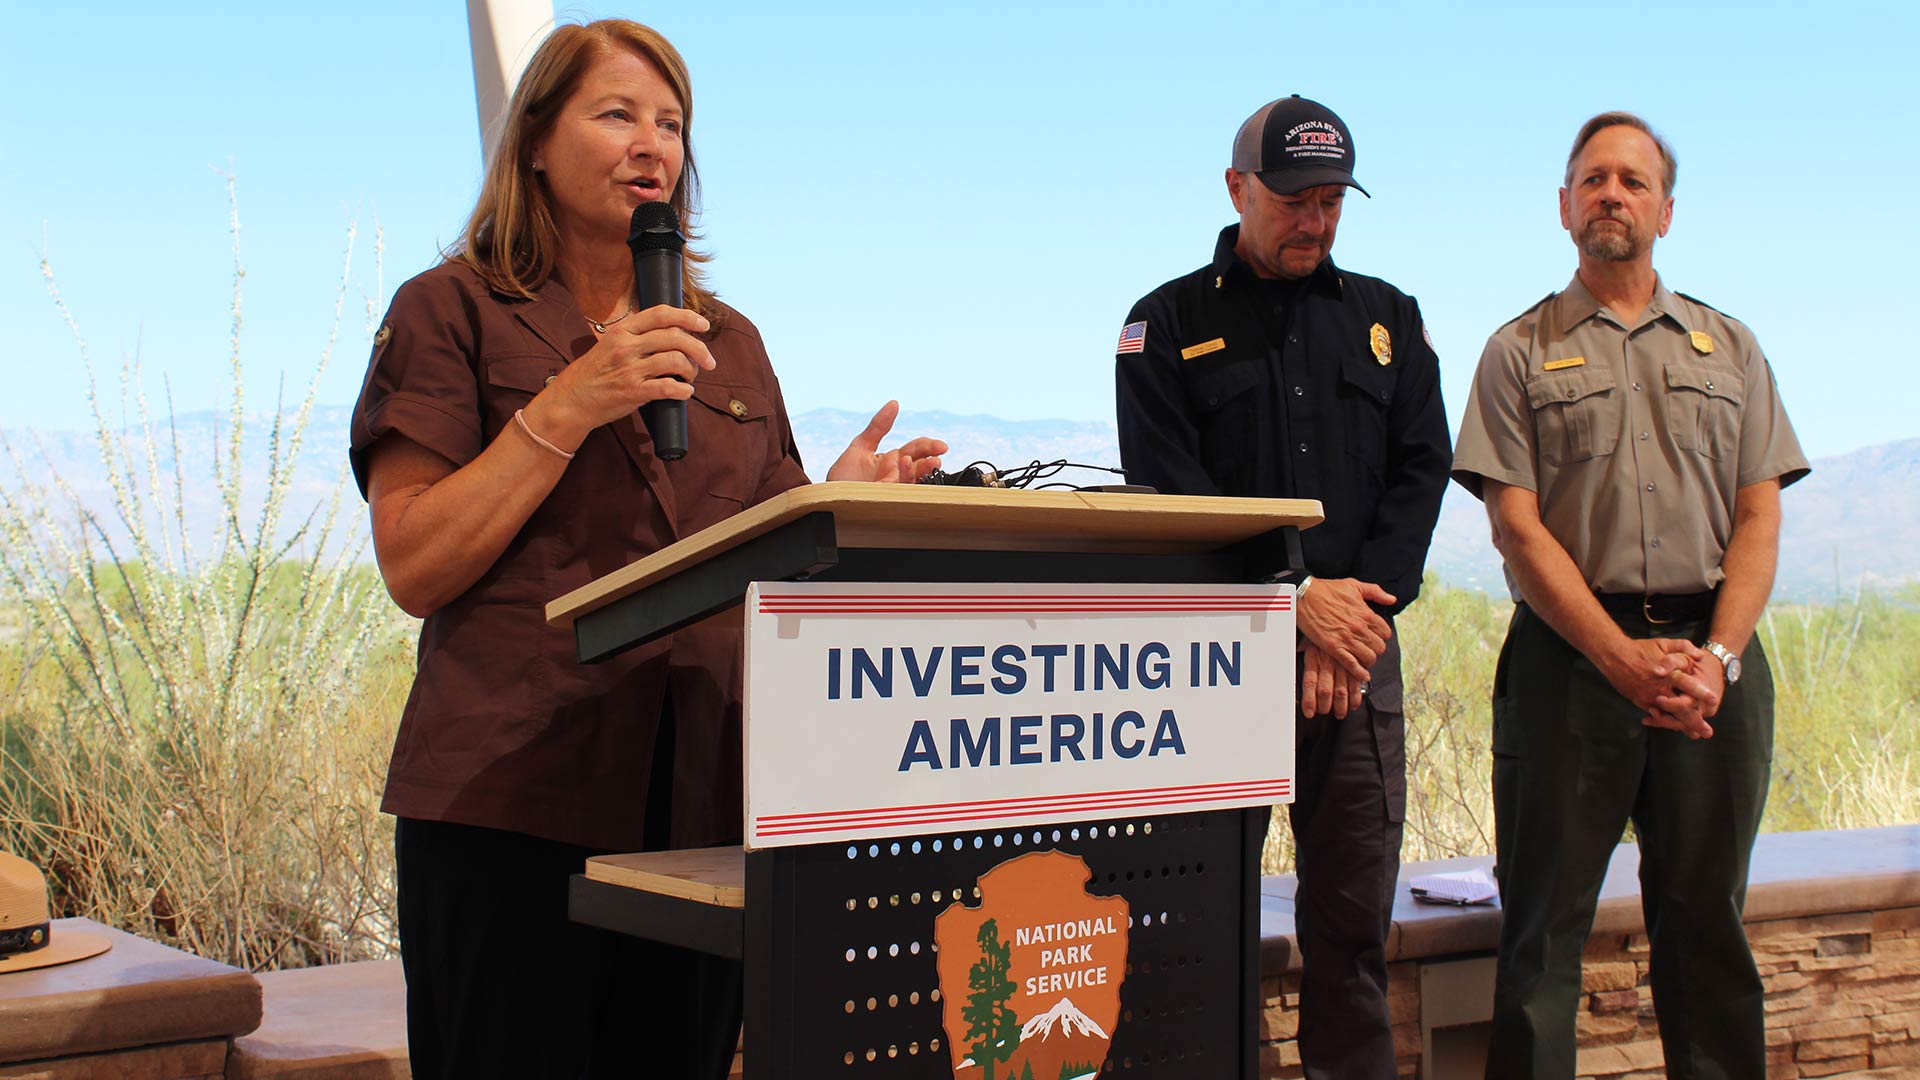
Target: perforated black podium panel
846	985
840	968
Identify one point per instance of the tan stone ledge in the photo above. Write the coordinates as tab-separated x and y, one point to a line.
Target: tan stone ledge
1806	875
137	993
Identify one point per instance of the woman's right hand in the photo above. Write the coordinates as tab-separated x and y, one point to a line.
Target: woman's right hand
648	356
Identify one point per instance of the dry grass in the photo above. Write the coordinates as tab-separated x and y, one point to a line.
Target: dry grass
1846	715
1449	640
196	727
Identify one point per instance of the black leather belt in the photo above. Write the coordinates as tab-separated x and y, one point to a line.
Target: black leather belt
1661	607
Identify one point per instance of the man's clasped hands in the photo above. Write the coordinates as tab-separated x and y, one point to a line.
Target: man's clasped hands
1678	683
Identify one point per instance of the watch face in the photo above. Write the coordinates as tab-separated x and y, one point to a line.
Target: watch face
1733	670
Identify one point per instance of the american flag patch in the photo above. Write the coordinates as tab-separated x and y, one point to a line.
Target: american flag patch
1133	338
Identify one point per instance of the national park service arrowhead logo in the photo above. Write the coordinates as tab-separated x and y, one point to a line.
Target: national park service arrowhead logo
1030	979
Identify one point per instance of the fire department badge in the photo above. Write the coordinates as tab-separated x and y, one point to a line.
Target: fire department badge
1382	344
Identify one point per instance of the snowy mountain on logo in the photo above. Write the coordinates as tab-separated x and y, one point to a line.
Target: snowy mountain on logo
1064	1018
1063	1041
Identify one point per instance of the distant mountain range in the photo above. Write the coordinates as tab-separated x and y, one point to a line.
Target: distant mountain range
1848	525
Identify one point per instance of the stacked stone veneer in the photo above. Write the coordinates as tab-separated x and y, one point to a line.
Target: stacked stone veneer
1280	1021
1843	999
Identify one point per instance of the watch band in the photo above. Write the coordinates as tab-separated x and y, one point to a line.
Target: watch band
1729	660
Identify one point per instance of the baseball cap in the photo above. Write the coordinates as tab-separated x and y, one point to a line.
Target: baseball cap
1293	144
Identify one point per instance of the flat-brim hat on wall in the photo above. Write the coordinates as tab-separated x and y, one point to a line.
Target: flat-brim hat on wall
27	938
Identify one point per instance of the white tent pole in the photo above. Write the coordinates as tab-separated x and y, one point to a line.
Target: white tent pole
504	33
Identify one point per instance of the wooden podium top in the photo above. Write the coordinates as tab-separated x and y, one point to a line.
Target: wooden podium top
965	519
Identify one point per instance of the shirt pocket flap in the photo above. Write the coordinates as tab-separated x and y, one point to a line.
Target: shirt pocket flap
1688	375
1568	386
528	373
1373	379
739	403
1215	386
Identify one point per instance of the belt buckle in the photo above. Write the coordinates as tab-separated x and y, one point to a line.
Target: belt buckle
1646	609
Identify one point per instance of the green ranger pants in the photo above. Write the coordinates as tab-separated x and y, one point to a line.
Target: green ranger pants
1572	765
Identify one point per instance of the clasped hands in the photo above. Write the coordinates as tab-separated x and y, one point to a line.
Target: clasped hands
1344	638
657	354
1678	683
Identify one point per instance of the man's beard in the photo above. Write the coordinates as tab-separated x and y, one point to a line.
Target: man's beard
1611	245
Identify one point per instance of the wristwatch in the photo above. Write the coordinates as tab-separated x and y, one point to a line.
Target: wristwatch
1728	659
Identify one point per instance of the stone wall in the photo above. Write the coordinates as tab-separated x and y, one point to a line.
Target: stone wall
1843	999
1280	1021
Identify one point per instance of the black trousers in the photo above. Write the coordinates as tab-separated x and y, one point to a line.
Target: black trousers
1572	765
501	984
1348	816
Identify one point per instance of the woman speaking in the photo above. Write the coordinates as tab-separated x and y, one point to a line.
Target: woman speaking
497	442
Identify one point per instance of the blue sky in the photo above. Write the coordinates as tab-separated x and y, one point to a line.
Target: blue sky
957	204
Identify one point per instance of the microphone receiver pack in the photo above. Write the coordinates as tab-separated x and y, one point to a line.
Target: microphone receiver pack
655	239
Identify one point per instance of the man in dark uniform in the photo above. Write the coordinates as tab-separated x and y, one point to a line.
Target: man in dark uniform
1630	445
1272	373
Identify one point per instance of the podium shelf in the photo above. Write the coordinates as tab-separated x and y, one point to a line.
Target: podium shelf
714	876
696	899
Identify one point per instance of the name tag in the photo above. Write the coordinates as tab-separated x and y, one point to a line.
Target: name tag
1203	348
1571	361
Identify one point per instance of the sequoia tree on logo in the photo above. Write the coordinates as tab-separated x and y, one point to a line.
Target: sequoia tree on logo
989	1019
1030	979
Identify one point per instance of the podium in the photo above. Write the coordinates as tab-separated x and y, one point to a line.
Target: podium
858	927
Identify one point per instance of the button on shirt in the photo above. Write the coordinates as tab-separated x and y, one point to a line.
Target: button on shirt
1634	437
1252	387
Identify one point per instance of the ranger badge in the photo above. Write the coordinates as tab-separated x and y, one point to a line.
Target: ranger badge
1702	344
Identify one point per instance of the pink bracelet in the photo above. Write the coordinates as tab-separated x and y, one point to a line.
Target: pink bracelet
520	417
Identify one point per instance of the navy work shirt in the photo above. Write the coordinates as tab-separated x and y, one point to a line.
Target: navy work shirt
1324	388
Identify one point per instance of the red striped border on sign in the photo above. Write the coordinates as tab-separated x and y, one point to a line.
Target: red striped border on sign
1001	809
1116	603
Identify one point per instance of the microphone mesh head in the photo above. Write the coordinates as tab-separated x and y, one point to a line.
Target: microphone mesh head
655	227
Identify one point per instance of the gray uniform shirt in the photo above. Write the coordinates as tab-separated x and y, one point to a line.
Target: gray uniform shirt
1634	438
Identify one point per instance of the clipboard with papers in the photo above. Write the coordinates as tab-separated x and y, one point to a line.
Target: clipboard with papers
1459	887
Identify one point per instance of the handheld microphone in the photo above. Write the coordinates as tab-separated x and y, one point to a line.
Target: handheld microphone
655	240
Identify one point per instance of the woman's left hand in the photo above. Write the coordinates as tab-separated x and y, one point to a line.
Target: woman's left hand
907	464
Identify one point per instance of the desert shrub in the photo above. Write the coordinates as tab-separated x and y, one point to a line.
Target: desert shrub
1846	715
1847	711
196	729
1449	640
194	723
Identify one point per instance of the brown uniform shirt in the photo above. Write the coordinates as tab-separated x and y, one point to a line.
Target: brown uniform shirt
1635	438
505	728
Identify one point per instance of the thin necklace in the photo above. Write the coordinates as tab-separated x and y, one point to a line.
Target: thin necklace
601	327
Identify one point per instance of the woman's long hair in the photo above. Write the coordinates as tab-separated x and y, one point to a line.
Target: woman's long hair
511	240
